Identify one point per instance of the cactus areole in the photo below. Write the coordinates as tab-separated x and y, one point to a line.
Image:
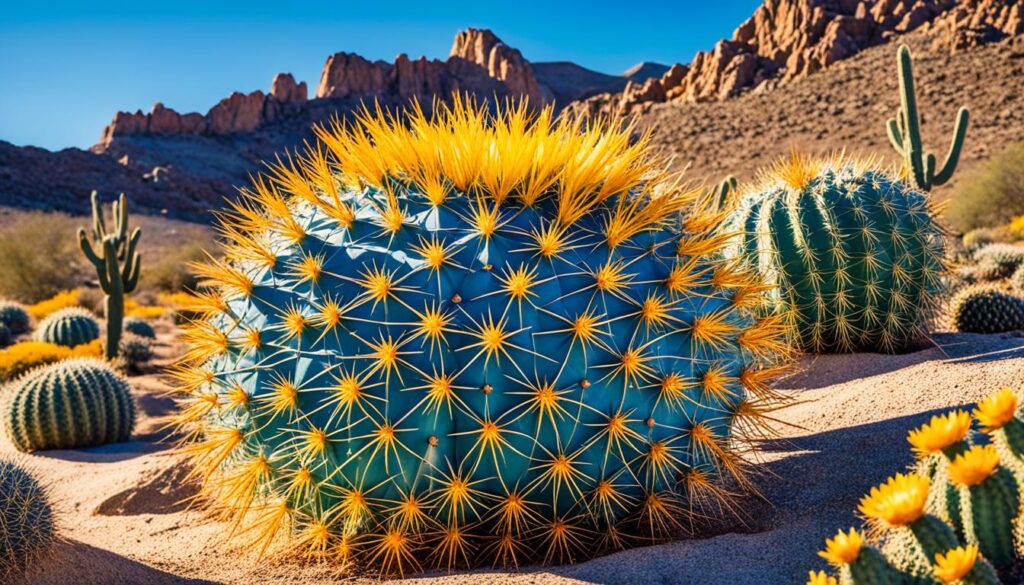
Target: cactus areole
472	338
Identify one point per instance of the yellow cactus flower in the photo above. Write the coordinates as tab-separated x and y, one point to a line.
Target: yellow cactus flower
956	563
821	578
897	502
974	466
996	410
843	548
944	430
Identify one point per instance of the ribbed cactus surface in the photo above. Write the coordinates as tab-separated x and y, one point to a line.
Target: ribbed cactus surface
26	520
984	309
71	404
14	316
139	327
856	254
69	327
469	340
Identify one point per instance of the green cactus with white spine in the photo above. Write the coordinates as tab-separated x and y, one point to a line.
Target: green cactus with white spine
905	132
983	308
15	317
425	355
990	498
856	255
70	404
26	520
139	327
117	264
69	327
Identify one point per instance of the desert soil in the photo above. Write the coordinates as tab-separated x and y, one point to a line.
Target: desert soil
124	519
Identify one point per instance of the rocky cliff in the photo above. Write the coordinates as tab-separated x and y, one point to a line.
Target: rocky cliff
786	40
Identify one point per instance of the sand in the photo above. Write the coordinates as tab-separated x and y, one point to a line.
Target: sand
123	520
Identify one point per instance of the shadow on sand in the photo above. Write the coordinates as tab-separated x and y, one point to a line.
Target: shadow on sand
819	371
72	562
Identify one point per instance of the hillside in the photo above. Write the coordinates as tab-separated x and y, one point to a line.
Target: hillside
845	108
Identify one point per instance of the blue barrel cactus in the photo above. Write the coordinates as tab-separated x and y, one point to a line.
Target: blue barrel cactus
15	317
139	327
856	255
69	327
473	338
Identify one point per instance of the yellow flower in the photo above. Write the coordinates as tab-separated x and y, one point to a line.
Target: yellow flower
843	548
996	410
956	563
974	465
897	502
821	578
941	432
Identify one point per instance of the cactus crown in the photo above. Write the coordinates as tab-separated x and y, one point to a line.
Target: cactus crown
488	336
69	327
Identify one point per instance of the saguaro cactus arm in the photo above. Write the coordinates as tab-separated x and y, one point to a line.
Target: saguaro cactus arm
905	132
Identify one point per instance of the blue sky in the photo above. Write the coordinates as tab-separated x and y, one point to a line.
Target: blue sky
67	66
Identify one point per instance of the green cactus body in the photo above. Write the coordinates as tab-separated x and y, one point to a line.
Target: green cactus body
856	254
71	404
15	317
26	520
1009	440
944	497
69	327
139	327
871	568
473	377
983	309
5	336
136	349
990	510
117	264
905	132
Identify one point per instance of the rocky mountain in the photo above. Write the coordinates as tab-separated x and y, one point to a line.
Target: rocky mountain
786	40
185	163
810	74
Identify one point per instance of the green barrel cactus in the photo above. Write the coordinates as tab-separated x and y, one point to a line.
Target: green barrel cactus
473	339
71	404
26	520
999	261
5	336
15	317
69	327
985	309
857	256
139	327
136	350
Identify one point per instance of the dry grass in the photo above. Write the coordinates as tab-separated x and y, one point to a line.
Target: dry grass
992	195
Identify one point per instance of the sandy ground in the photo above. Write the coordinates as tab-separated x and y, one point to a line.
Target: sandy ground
123	520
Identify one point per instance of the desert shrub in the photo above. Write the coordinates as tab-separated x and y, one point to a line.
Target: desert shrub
22	357
169	271
39	257
61	300
979	237
1016	228
991	195
132	308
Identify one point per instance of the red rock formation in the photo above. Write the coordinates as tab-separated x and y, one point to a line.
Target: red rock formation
790	39
504	63
284	89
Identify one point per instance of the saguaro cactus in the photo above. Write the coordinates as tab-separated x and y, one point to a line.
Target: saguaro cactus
117	264
905	132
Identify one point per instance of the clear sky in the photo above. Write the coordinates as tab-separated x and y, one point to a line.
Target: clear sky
67	66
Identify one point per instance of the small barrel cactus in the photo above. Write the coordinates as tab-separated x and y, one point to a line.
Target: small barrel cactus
136	349
139	327
69	327
5	336
70	404
26	520
856	255
984	309
1001	260
14	316
1017	279
472	339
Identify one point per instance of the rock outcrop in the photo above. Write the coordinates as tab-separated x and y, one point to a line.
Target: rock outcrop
239	112
791	39
504	63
